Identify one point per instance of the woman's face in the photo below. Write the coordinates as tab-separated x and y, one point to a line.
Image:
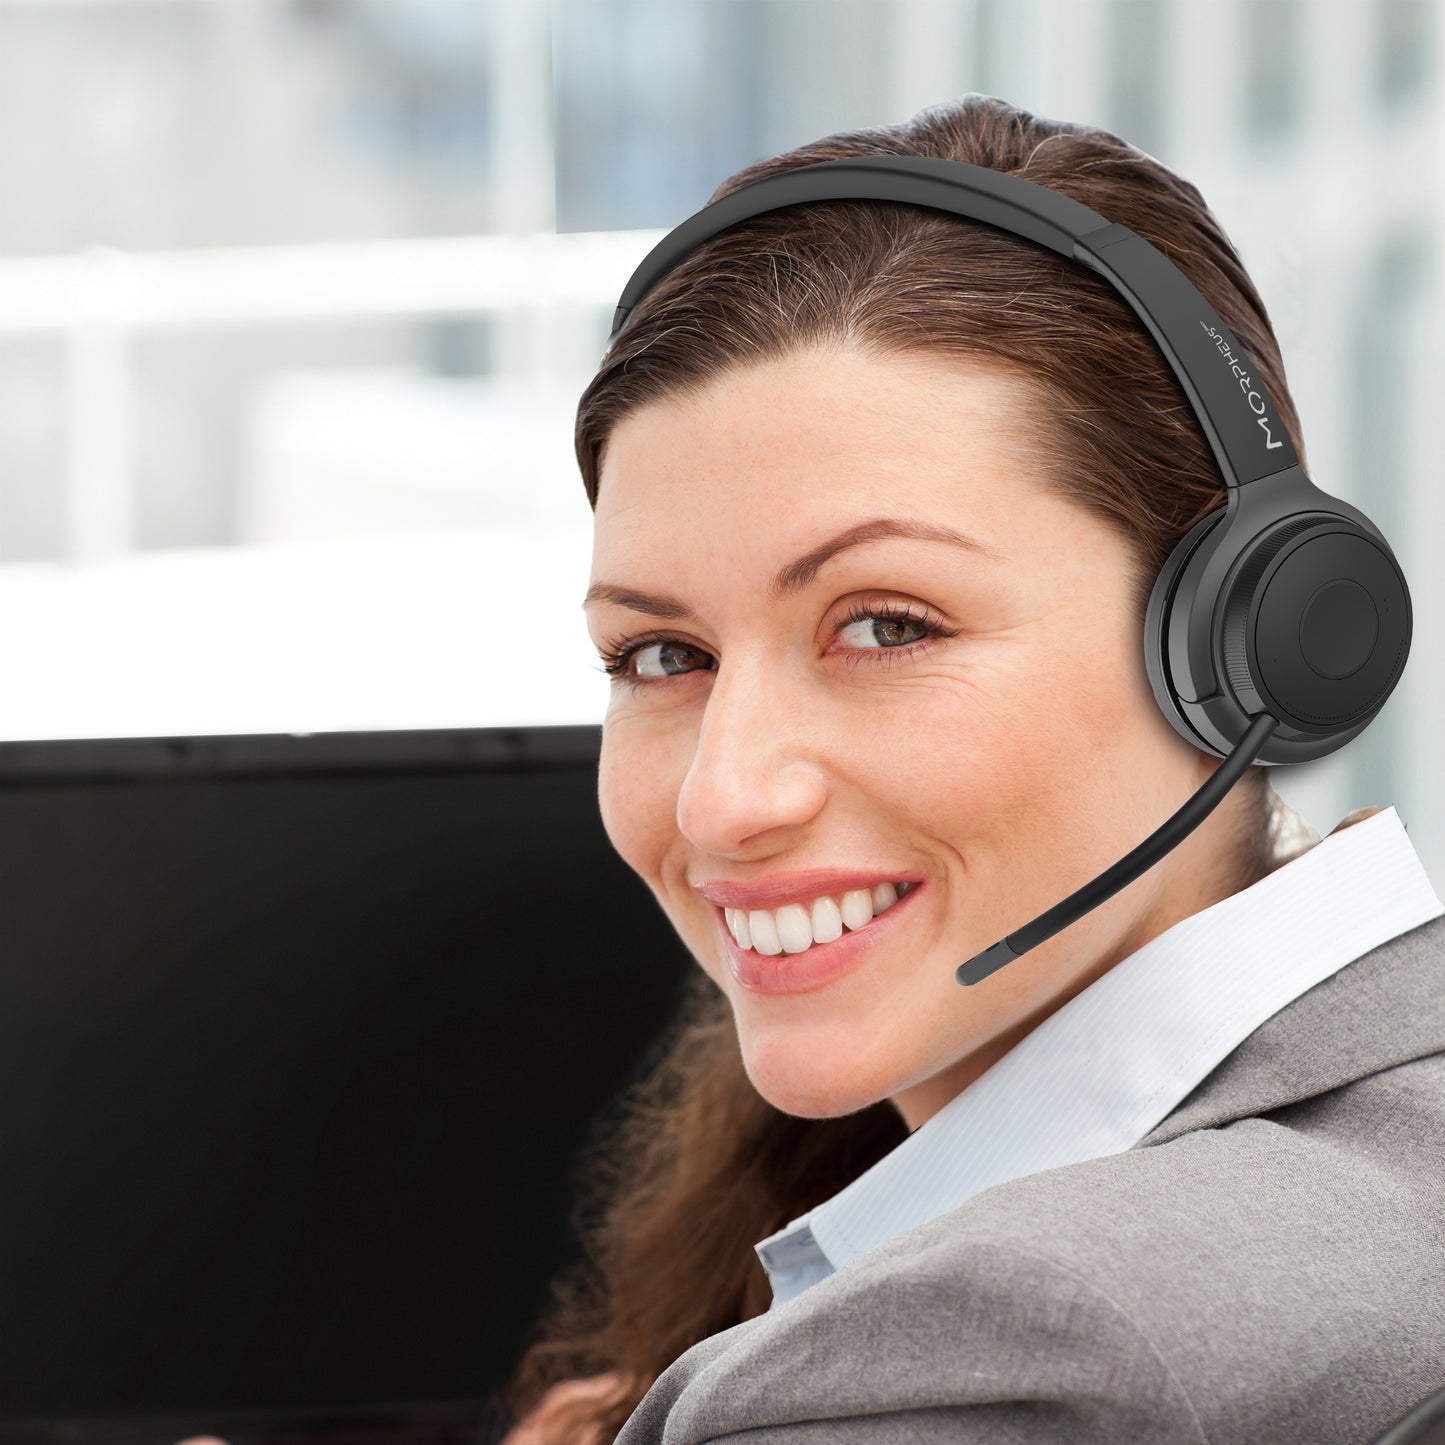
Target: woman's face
779	729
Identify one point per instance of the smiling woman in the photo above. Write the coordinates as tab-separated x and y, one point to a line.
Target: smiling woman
880	496
783	736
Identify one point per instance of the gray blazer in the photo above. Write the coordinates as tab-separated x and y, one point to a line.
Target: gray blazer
1265	1267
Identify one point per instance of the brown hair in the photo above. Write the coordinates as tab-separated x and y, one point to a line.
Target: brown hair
701	1167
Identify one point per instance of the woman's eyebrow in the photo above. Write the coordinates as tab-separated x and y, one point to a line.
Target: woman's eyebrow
800	573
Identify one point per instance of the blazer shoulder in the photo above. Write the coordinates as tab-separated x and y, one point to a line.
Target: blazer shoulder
1201	1290
1205	1288
998	1342
1301	1237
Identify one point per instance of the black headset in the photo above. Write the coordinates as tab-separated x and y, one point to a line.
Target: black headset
1281	622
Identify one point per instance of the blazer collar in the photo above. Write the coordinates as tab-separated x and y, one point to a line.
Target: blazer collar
1385	1008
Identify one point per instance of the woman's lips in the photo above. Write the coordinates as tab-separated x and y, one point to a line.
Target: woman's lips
818	965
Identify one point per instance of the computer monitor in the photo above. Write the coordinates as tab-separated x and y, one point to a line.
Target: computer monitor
300	1039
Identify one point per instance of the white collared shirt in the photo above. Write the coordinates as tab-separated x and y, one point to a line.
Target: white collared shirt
1101	1071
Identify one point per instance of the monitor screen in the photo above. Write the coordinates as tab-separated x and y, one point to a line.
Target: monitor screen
300	1037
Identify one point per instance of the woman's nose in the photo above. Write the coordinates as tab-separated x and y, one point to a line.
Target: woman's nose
756	767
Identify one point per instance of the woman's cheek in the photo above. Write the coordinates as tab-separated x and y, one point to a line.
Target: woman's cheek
618	804
636	796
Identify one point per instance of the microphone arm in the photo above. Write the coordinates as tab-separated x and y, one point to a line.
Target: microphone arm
1164	838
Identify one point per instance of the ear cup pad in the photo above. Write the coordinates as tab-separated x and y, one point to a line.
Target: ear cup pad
1174	699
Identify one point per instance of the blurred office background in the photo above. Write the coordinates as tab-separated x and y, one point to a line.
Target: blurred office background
297	297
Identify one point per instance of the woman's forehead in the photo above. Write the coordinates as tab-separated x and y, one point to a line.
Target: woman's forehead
819	398
959	484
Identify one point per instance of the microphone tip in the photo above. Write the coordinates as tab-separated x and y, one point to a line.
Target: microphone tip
982	964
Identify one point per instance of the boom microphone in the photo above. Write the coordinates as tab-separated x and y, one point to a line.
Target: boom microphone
1164	838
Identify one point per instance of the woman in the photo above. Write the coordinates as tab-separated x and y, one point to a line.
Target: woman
817	718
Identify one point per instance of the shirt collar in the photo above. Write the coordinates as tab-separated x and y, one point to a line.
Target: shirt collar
1101	1071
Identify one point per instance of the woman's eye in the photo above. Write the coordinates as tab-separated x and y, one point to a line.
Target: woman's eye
883	631
672	659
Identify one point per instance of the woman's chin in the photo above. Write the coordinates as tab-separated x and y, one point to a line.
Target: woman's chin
824	1089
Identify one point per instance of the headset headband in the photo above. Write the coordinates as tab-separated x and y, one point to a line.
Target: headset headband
1237	413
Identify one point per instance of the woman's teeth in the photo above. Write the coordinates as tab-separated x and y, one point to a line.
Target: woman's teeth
796	926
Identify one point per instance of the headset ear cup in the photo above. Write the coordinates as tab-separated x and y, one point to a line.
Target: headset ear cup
1315	627
1310	621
